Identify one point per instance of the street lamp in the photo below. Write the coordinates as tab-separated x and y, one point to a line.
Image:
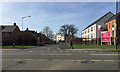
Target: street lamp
22	28
116	21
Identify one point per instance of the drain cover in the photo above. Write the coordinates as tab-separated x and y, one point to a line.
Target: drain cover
20	62
87	62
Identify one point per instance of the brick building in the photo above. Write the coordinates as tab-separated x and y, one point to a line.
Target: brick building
111	26
29	37
10	34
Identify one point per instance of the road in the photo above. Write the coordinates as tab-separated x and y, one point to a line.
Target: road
52	57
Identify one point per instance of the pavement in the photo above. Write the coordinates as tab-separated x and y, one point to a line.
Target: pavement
91	49
57	57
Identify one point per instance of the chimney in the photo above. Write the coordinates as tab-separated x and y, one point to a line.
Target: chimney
14	24
2	27
26	29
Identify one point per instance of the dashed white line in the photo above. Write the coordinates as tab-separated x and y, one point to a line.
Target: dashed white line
54	51
109	60
29	51
85	51
41	51
61	51
78	60
104	54
96	60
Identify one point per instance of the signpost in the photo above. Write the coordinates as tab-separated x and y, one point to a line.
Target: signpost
105	37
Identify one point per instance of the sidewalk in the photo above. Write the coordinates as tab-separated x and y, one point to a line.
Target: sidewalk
91	49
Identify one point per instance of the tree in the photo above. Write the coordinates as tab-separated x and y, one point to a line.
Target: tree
72	29
68	30
48	32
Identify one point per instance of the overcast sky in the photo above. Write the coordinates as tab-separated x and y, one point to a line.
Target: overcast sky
54	14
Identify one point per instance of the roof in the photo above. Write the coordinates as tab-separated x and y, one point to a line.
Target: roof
98	20
113	17
6	28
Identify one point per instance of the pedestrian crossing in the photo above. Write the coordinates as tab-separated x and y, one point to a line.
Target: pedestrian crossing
68	60
61	51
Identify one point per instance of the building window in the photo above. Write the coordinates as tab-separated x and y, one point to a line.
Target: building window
91	28
112	23
91	35
106	26
88	30
113	33
109	25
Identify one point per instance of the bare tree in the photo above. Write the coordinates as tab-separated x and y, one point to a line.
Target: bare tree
68	30
72	29
48	32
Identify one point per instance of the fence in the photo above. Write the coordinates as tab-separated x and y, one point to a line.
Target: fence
93	41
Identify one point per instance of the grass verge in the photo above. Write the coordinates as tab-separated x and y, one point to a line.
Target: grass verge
15	47
110	47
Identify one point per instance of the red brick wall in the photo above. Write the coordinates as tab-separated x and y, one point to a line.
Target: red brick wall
11	37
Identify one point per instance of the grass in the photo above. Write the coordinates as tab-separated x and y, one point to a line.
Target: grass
76	46
15	47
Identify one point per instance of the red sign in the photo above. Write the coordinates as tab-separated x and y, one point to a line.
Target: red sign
105	36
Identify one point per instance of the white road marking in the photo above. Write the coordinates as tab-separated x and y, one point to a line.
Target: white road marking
41	51
78	60
96	60
61	51
54	51
59	54
29	59
58	48
109	60
29	51
104	54
85	51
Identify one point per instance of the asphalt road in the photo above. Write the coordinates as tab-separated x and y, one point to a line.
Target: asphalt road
52	57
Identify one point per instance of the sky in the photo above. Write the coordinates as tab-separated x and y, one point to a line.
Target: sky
54	14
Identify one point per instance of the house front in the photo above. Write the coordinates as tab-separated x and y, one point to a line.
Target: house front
111	26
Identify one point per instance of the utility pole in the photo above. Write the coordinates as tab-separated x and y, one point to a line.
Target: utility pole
116	21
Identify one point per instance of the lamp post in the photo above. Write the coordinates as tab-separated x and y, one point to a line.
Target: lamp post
22	28
116	22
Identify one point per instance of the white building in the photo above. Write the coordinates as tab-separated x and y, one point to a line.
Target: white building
91	31
59	37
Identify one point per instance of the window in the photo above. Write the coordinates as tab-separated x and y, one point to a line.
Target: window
91	28
109	25
106	26
113	33
88	30
91	35
112	23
